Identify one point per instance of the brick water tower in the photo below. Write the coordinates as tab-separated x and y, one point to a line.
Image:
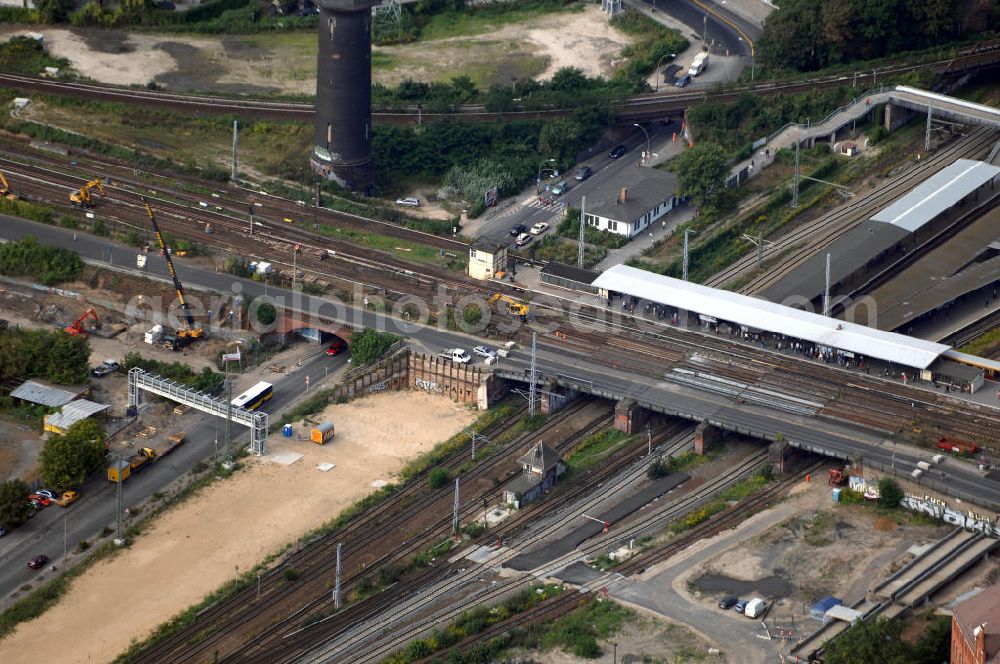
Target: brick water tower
343	144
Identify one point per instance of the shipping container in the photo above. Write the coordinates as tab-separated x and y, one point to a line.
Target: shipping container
322	433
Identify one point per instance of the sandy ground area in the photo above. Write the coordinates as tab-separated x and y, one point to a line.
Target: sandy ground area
196	547
287	64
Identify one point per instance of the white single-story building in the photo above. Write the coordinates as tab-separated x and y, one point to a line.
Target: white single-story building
487	259
630	203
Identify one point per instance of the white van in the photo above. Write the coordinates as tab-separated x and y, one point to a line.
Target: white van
755	608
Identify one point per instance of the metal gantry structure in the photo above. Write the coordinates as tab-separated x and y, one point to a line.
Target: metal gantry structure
140	381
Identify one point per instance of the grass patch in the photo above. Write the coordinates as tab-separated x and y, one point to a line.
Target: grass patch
553	248
818	527
595	448
733	493
578	632
983	343
404	249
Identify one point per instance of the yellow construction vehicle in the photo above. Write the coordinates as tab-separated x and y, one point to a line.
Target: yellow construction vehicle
514	307
5	188
189	331
83	197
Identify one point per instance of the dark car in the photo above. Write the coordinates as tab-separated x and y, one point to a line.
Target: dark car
38	561
740	606
618	152
584	173
517	230
728	602
683	80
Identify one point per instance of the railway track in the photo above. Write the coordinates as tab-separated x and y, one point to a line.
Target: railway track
640	107
649	521
797	246
393	519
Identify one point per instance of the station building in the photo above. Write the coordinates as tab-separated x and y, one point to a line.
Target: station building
631	201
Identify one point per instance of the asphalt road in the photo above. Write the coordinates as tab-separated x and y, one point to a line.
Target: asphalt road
721	33
605	170
52	527
86	518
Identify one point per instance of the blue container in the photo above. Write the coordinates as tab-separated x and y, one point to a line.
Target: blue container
836	495
287	431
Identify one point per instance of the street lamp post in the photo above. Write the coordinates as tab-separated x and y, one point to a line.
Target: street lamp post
659	72
646	133
538	179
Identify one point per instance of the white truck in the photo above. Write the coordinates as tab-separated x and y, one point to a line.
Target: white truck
700	64
458	355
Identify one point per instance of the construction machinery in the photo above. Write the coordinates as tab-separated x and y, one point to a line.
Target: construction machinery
76	328
514	307
189	332
837	477
5	188
83	197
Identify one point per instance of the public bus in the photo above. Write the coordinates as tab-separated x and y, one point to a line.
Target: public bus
255	397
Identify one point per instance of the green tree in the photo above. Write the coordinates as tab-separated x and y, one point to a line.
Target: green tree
559	138
266	313
54	11
702	172
68	359
657	469
889	492
14	507
569	79
874	641
368	345
66	460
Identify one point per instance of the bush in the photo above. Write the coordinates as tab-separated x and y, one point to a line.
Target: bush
290	574
890	494
29	258
438	478
369	345
657	469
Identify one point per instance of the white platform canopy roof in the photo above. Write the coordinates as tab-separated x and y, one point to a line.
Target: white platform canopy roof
764	315
937	193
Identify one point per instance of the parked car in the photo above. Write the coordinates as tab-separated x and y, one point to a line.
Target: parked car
740	606
3	531
683	80
561	188
728	602
584	173
68	498
409	201
48	494
39	501
618	152
517	230
336	348
38	561
484	351
523	239
539	228
104	368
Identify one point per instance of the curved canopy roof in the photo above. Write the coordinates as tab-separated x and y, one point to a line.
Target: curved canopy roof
772	317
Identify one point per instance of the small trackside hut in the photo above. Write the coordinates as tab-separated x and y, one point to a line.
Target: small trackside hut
541	466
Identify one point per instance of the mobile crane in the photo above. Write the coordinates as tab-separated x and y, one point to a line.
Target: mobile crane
514	307
189	332
76	329
83	197
5	191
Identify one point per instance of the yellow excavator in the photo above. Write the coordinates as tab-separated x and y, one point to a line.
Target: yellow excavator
514	307
5	191
189	332
83	197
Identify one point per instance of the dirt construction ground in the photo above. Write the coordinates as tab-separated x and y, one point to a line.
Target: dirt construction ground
285	62
234	524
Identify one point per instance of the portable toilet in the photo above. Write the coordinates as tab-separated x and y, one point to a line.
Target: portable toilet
286	431
322	433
